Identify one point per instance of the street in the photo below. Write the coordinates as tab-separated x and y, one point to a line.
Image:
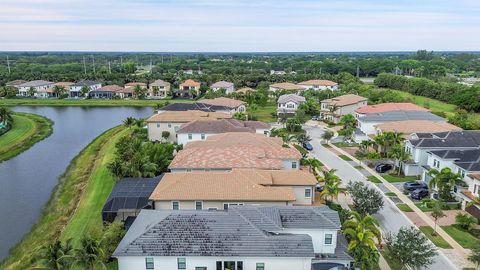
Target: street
390	217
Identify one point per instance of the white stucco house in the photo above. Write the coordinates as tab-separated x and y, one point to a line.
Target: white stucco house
288	104
76	88
228	86
319	85
244	237
37	86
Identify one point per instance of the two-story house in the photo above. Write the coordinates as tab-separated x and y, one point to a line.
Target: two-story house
37	86
158	89
186	87
333	109
76	88
241	150
288	104
170	121
228	86
201	129
244	237
233	105
216	190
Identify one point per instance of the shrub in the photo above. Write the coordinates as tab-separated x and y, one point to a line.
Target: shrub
465	221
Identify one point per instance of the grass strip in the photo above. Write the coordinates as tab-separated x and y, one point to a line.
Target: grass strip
436	239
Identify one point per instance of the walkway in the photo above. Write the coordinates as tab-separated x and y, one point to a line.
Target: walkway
390	217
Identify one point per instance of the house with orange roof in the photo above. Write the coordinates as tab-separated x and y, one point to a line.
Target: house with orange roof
220	189
170	121
226	151
186	87
319	85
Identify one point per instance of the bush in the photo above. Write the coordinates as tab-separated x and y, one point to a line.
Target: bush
465	221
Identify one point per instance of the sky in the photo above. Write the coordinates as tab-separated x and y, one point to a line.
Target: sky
239	25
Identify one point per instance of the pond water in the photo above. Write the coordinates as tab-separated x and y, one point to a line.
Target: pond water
27	180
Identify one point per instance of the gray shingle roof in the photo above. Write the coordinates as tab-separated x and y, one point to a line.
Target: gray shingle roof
82	83
241	231
222	84
212	126
207	233
290	97
468	160
453	139
35	83
401	116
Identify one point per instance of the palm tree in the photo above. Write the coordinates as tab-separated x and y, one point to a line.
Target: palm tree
129	121
193	93
59	90
332	108
312	163
444	180
331	188
362	233
380	142
400	155
364	145
56	256
327	135
31	91
288	138
6	116
84	90
303	138
282	118
88	255
140	122
139	91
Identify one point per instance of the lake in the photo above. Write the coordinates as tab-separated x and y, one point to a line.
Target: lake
27	180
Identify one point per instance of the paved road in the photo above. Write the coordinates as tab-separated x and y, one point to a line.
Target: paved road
390	217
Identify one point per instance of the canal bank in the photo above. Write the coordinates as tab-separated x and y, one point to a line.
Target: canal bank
27	180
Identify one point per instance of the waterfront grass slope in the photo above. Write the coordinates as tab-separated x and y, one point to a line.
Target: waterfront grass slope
80	190
27	130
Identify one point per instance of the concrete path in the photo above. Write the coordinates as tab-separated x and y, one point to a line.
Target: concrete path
390	217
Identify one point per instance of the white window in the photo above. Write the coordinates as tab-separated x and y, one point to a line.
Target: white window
175	205
198	205
290	106
260	266
461	172
158	125
328	239
308	193
149	264
169	125
294	165
181	263
175	128
202	136
189	136
226	205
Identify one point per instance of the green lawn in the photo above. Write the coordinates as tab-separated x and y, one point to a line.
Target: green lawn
264	113
27	129
89	102
358	167
373	179
437	240
394	264
432	104
464	238
88	215
300	149
390	194
396	179
404	207
75	188
344	157
344	144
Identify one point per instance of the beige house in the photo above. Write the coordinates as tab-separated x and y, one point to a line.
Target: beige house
237	150
172	120
158	89
342	105
219	190
319	85
233	105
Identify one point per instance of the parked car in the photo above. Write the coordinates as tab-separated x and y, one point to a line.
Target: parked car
419	194
315	118
413	185
383	168
308	146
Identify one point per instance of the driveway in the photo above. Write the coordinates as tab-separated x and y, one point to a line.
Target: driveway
390	217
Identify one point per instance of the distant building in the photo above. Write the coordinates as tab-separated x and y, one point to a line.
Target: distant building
15	83
228	86
343	105
245	90
288	104
284	86
37	86
244	237
277	72
186	87
76	88
158	89
50	92
105	92
319	85
233	104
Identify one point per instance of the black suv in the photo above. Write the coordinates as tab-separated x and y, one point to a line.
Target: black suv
410	186
419	194
383	168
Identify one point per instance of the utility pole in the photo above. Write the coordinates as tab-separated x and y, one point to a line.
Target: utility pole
121	63
109	68
358	71
8	65
84	66
93	62
320	71
151	66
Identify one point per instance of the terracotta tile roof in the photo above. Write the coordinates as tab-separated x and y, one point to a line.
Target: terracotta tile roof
127	90
416	126
318	82
223	101
344	100
186	116
110	88
286	86
475	176
245	90
235	150
133	84
190	83
242	185
385	107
